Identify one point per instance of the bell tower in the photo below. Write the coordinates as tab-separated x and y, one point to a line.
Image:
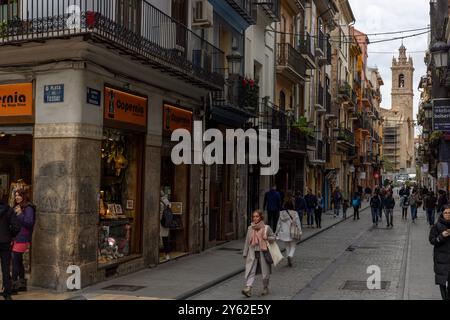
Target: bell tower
402	84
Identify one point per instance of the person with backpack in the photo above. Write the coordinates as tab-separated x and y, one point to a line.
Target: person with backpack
404	204
300	206
288	221
440	238
165	221
9	228
311	204
356	204
389	204
337	201
375	205
319	210
26	215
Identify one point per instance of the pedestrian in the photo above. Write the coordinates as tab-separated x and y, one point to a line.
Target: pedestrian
164	232
414	202
272	203
9	227
375	205
300	206
404	204
319	210
389	204
345	206
26	215
255	248
356	204
337	201
382	197
311	204
441	202
440	239
288	216
430	205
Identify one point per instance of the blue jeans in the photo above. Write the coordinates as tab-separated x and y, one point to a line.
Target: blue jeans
300	216
310	212
430	216
337	210
413	212
375	215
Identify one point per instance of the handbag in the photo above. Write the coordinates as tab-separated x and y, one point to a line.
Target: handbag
294	231
267	257
274	252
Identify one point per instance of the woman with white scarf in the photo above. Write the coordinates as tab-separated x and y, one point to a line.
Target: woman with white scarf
255	245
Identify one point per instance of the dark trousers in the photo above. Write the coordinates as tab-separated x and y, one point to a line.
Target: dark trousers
273	219
18	271
445	291
310	217
318	217
355	213
430	216
5	257
166	245
404	213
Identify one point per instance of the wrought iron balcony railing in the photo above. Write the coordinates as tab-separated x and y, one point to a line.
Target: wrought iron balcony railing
307	47
289	57
145	32
271	8
321	42
239	93
246	8
346	136
345	90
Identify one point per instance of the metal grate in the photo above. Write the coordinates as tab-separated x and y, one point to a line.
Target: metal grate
120	287
362	285
230	249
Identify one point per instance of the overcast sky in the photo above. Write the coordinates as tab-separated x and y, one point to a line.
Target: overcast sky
373	16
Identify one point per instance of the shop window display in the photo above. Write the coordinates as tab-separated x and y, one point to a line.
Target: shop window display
119	196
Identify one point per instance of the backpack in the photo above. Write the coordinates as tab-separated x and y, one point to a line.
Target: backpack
14	225
167	217
375	202
355	202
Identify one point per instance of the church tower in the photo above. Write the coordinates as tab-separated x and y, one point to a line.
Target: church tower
403	84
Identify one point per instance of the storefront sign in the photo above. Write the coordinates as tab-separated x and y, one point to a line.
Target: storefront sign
16	100
94	96
54	93
362	175
176	118
441	114
125	107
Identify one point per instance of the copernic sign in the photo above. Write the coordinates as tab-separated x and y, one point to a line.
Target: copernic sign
125	107
441	115
16	100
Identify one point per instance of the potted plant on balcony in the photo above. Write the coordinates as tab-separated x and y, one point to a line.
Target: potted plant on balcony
248	94
303	127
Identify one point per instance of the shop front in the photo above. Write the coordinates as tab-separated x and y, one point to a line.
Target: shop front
175	186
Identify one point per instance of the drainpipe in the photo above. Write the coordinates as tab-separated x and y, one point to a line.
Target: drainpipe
209	98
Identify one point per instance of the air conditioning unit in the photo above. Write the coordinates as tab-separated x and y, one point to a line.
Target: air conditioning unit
203	14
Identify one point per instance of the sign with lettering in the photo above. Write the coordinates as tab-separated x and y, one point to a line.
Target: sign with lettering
125	107
176	118
54	93
441	114
94	96
16	100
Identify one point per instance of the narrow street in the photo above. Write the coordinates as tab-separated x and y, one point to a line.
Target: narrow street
334	264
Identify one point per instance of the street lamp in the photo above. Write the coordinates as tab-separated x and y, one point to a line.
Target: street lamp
234	61
440	52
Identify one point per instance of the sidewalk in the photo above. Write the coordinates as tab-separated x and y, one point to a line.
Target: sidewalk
177	279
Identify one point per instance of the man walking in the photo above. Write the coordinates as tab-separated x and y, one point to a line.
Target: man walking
9	227
337	200
441	202
311	204
272	203
389	204
300	206
375	205
430	204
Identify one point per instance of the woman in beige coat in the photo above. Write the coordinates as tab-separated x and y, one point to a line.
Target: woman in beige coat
255	244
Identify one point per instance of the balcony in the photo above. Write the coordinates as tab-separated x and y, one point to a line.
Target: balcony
320	44
246	9
237	98
271	8
290	62
158	41
344	91
307	50
320	105
368	99
323	50
345	137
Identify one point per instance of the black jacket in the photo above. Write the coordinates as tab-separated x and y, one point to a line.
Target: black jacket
375	202
389	203
430	202
441	254
8	223
442	201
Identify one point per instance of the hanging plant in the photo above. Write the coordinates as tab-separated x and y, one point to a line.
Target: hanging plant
435	137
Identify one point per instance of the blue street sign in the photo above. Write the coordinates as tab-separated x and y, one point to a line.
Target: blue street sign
54	93
94	96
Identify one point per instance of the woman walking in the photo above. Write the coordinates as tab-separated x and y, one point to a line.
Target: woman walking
430	205
356	204
404	204
319	210
414	202
26	216
255	246
440	239
389	204
288	217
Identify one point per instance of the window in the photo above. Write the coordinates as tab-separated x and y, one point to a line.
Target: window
401	81
8	9
128	14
